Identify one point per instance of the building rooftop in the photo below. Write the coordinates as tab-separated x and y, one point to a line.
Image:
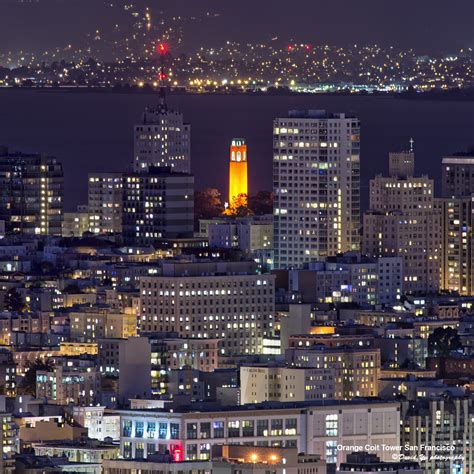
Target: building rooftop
303	405
316	114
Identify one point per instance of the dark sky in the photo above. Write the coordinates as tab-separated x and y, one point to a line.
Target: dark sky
427	25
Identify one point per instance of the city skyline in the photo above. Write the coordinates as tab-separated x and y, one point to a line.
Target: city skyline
236	238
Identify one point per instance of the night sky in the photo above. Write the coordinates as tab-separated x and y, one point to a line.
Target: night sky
430	26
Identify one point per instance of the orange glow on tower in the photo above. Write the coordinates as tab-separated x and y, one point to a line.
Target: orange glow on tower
238	176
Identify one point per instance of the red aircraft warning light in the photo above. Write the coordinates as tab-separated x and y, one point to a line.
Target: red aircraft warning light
162	48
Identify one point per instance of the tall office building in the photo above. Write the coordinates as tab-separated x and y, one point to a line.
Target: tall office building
238	173
404	221
162	139
157	204
31	193
207	300
316	176
105	201
456	207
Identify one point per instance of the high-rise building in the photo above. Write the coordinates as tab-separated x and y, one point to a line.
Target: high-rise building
162	139
158	204
105	201
444	423
458	175
457	257
316	176
456	208
238	173
404	221
31	193
223	300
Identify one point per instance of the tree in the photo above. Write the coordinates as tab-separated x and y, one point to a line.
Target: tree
28	384
442	341
239	206
13	301
207	204
261	203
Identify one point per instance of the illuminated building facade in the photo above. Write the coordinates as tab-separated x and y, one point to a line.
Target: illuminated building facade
353	371
349	278
31	193
316	175
457	257
9	443
268	383
456	208
313	427
105	201
444	421
226	300
63	385
75	224
404	221
158	204
238	172
162	139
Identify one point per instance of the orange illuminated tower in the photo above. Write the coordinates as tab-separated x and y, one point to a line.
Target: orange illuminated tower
238	177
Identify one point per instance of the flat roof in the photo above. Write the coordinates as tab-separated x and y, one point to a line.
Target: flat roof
203	408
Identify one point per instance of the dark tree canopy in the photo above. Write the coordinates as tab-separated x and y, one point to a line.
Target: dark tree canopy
261	203
207	204
13	301
442	341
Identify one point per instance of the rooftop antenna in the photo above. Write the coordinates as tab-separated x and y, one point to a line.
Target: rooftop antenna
162	50
412	143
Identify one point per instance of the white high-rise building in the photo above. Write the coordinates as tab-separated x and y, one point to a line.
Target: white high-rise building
162	139
316	176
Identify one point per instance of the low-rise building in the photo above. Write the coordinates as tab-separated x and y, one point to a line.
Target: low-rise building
355	371
99	424
226	460
66	385
79	451
327	428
